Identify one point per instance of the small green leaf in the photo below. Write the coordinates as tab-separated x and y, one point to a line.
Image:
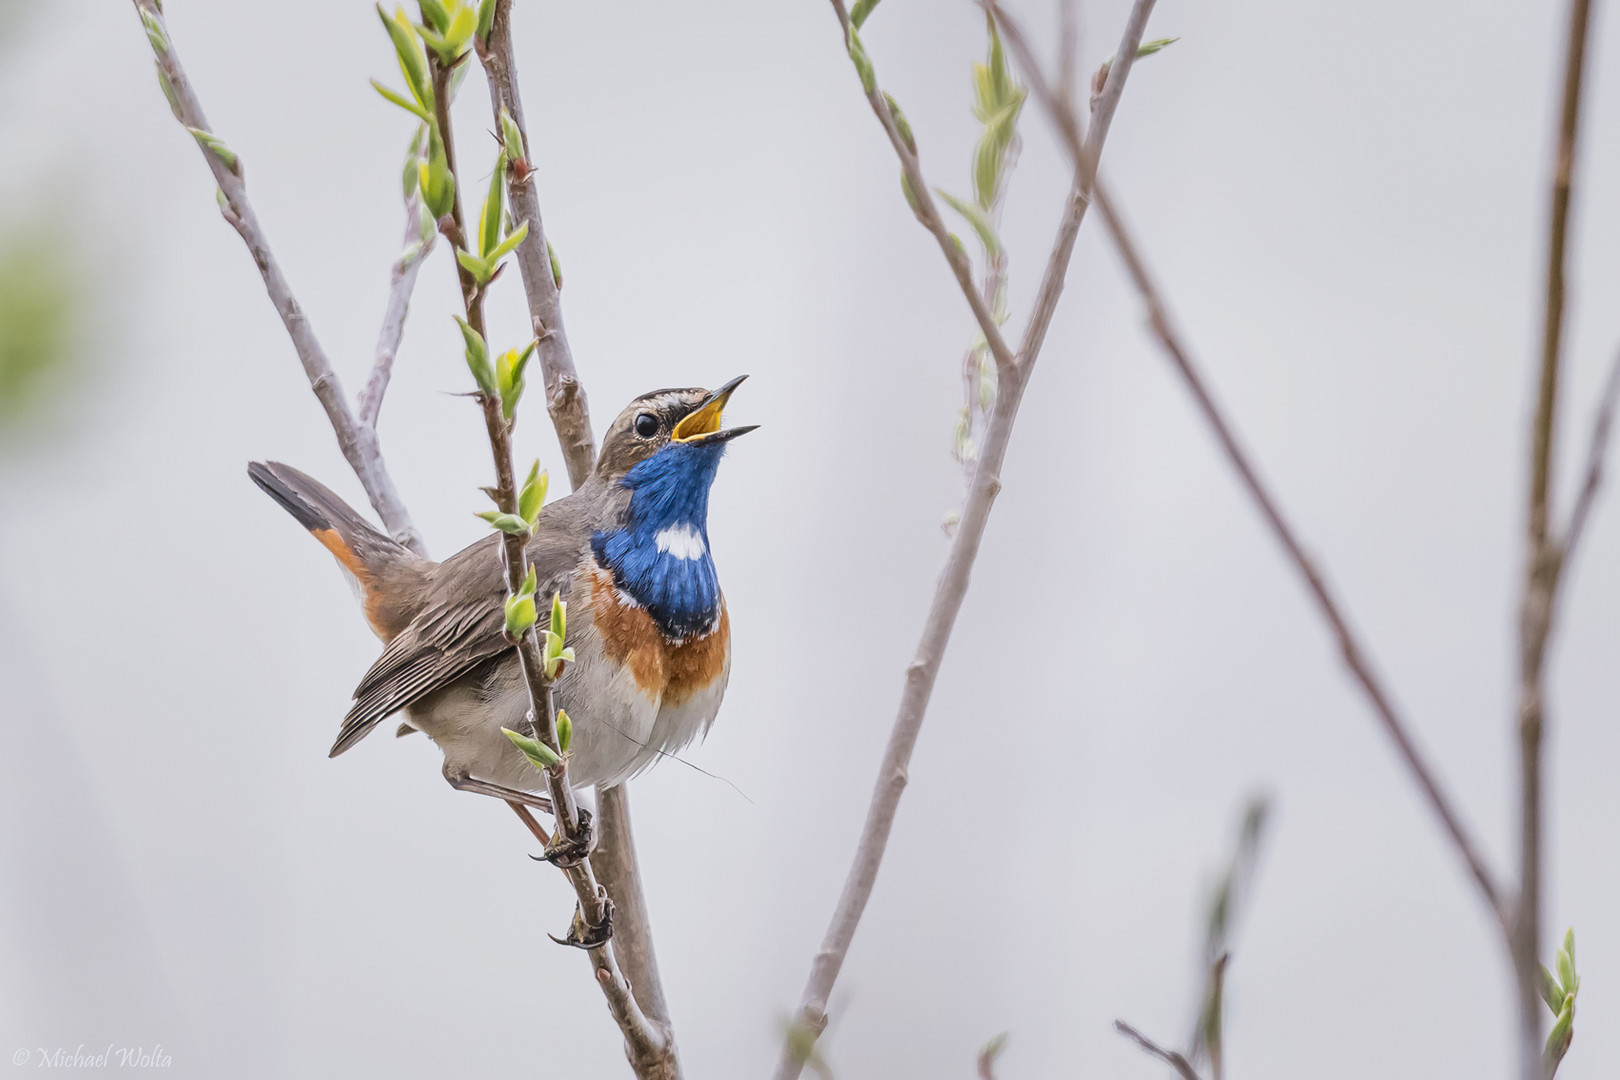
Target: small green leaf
489	217
1148	48
531	581
858	13
482	270
520	615
213	144
403	102
1566	970
434	12
1561	1035
509	245
155	32
506	523
1551	992
412	60
975	217
565	730
987	172
486	19
540	755
463	25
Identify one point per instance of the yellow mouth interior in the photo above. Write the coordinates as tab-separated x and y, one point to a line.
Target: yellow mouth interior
702	421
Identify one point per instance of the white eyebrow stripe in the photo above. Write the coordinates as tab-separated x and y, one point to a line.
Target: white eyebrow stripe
681	541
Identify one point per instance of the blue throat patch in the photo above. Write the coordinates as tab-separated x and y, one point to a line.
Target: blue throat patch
660	558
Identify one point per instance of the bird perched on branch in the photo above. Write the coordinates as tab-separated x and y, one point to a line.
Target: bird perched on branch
628	551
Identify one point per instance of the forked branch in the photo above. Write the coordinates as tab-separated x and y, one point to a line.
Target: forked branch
356	439
811	1017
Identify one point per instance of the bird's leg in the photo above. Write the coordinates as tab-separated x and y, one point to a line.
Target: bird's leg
462	782
566	852
583	935
529	823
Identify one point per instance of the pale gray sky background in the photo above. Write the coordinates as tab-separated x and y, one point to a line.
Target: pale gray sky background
1345	204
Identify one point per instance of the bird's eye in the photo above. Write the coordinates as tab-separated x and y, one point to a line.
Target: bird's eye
646	425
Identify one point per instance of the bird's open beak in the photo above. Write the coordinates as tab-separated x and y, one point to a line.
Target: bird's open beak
701	426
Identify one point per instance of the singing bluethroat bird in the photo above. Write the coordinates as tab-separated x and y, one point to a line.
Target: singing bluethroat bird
629	552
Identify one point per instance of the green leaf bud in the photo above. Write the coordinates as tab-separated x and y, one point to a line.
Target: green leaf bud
900	124
486	19
509	377
511	137
520	615
556	263
510	524
155	32
213	144
863	63
565	730
540	755
477	356
858	13
169	94
559	616
533	495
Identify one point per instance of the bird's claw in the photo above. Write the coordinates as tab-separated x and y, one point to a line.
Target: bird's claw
567	852
584	935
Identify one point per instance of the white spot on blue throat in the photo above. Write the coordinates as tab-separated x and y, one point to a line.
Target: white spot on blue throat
682	541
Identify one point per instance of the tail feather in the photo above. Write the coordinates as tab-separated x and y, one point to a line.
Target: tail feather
380	567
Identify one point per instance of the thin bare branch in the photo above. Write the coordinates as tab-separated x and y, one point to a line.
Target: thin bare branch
401	283
1350	648
1597	449
418	243
1544	561
565	396
811	1017
1170	1057
357	441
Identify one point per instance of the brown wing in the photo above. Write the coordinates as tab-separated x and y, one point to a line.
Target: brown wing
459	627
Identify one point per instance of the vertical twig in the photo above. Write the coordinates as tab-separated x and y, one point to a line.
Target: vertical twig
811	1017
1544	557
648	1044
615	859
565	397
